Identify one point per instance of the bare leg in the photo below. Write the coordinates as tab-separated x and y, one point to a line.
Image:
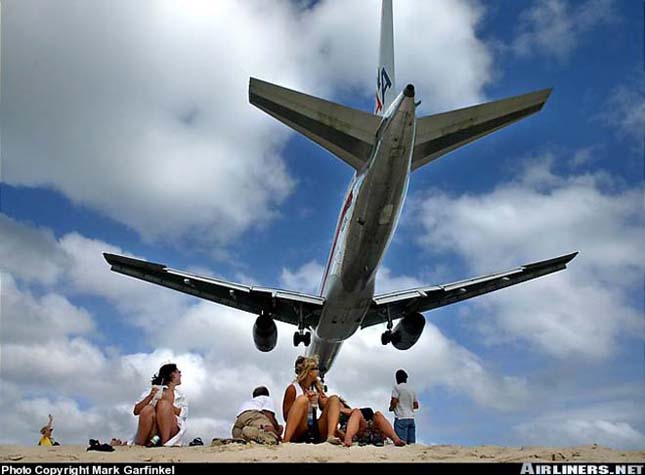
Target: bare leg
328	421
353	426
166	420
147	425
296	419
382	424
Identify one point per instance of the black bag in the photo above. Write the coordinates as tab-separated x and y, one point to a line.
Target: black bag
96	445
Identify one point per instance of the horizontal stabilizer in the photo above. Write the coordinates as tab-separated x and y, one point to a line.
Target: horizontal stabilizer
347	133
441	133
283	305
403	302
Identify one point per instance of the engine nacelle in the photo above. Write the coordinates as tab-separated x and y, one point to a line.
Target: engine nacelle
265	333
408	331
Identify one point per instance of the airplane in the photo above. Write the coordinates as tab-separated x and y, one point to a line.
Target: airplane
383	148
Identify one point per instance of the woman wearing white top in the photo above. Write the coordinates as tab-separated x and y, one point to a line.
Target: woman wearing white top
163	410
306	390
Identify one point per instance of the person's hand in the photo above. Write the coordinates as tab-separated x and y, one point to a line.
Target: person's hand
153	391
50	418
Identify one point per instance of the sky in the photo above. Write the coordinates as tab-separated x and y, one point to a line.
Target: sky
126	128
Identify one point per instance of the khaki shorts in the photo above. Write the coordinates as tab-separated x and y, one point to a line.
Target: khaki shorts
249	418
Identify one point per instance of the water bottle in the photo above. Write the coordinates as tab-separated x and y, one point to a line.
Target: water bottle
311	420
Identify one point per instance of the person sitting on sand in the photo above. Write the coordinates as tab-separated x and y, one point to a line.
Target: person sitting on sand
46	434
365	426
256	419
162	410
299	396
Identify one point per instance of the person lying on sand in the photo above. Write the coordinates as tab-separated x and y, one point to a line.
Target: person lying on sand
365	427
299	396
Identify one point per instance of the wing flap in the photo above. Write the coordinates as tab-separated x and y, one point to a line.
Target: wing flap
347	133
441	133
423	299
283	305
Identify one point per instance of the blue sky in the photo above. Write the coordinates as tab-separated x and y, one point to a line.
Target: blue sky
132	133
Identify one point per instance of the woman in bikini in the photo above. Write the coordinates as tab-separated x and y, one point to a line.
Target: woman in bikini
298	396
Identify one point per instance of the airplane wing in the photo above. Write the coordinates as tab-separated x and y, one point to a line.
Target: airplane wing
347	133
283	305
402	303
441	133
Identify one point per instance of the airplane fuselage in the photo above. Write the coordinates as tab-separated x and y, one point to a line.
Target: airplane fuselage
365	228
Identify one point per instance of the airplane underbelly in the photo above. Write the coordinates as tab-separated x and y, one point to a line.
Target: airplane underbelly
343	311
375	217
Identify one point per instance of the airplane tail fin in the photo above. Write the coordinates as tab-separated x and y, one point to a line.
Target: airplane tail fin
385	89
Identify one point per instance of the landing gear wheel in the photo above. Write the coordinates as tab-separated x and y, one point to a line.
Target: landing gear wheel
386	337
395	338
306	339
296	339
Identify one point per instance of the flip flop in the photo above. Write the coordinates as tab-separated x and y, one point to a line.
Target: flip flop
334	441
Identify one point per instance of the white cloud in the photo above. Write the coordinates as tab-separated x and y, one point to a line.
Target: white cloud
554	28
579	312
624	110
143	305
141	112
29	253
306	279
386	282
39	319
609	425
434	361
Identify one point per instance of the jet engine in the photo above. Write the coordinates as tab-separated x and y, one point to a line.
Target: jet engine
408	331
265	333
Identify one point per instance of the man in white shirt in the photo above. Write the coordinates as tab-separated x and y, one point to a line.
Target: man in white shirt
404	403
256	419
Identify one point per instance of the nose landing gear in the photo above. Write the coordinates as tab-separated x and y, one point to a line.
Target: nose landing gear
301	337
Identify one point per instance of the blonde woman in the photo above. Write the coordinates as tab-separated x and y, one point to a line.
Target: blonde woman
306	390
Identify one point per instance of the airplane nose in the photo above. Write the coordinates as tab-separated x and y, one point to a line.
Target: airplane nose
409	90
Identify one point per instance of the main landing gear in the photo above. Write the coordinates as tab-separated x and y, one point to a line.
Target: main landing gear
388	336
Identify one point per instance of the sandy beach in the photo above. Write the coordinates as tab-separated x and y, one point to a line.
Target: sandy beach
320	453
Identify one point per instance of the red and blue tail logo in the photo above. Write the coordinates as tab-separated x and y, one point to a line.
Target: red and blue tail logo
383	83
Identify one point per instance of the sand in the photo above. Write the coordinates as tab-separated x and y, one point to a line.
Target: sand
320	453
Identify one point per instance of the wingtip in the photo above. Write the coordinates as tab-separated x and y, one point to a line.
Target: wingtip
569	257
109	257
